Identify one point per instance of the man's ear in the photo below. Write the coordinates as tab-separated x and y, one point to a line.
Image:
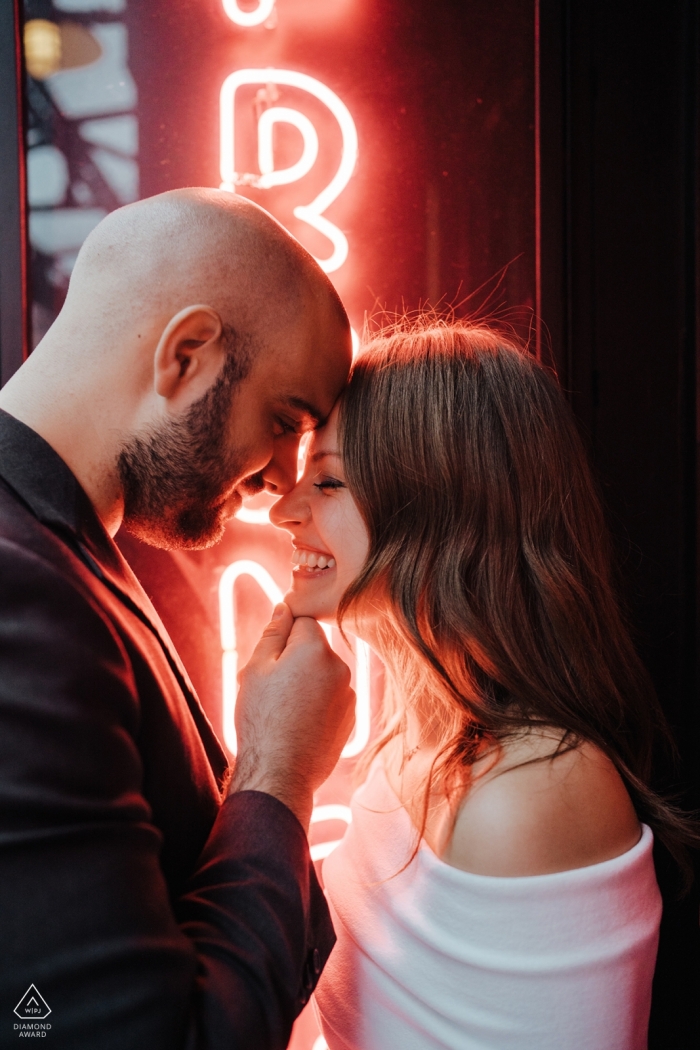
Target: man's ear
189	354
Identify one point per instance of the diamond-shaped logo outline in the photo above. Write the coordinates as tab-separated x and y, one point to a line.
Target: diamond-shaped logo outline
38	999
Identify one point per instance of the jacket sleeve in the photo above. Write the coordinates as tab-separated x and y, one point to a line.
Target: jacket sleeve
85	912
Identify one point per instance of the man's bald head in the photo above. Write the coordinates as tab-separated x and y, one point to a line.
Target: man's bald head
147	261
198	341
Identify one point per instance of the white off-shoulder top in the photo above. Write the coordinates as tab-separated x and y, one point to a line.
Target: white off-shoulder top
436	957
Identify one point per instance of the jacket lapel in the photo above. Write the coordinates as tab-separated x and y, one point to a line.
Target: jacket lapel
109	565
44	483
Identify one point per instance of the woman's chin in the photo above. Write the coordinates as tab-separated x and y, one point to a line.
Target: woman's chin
307	605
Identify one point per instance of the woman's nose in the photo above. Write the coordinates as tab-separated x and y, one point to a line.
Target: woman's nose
290	510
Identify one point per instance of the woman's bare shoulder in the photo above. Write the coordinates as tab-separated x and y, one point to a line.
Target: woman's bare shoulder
525	817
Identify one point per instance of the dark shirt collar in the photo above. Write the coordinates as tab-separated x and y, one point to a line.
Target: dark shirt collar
45	483
47	486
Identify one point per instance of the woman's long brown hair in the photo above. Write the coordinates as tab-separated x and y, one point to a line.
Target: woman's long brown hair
487	534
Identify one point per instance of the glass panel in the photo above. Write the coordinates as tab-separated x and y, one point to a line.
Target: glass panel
394	138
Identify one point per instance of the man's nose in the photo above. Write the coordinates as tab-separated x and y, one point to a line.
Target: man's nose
280	475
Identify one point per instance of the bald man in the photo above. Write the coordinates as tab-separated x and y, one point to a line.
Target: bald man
151	899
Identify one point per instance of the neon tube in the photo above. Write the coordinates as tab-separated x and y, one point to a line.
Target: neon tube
253	516
229	660
329	812
310	213
249	18
272	176
227	626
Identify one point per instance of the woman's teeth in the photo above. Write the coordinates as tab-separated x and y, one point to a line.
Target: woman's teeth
311	560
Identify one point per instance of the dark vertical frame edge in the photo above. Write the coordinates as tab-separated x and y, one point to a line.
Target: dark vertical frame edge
538	187
690	372
14	313
551	184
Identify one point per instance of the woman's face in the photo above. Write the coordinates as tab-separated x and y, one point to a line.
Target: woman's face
329	536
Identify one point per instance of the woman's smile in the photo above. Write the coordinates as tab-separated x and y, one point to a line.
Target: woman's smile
311	564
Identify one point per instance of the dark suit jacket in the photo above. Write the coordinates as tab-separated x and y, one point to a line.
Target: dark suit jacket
148	913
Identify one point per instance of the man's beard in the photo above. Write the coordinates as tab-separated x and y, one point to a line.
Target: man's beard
176	479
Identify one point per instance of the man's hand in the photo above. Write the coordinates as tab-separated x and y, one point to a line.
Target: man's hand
294	712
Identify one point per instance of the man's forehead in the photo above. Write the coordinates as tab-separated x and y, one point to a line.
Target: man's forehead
312	387
305	368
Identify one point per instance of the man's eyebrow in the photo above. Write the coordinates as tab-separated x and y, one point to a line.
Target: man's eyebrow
324	452
305	406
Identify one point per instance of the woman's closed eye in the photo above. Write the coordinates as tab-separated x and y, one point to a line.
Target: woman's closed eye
328	484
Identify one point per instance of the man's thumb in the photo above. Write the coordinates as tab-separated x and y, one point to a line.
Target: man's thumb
274	637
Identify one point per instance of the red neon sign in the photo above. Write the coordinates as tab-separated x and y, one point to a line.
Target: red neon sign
268	116
313	212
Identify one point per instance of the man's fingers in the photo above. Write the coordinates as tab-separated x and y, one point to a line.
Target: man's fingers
274	637
305	630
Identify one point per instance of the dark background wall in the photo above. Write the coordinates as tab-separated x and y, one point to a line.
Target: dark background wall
619	138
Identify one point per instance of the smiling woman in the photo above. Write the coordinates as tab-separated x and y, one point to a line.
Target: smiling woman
447	516
329	536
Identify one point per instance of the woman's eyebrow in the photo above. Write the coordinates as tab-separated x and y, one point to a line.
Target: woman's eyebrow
324	452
